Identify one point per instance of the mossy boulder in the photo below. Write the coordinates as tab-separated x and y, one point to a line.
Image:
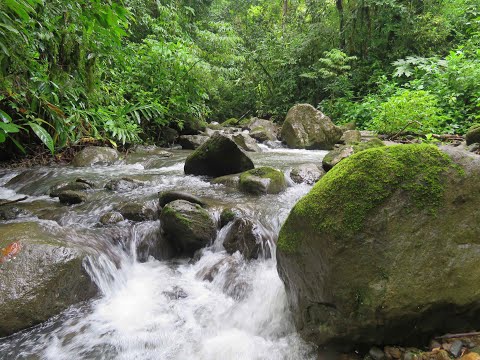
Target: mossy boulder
187	226
217	157
351	137
263	130
263	180
306	173
473	135
344	151
230	122
95	155
385	248
40	275
308	128
231	181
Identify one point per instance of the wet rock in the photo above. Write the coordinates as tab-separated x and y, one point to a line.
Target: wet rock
95	155
187	226
351	137
343	152
169	196
12	213
456	348
73	186
246	142
227	215
264	180
85	181
70	197
152	150
245	238
308	128
40	275
140	211
231	181
473	135
193	127
217	157
167	136
306	173
123	185
359	247
192	142
111	217
176	293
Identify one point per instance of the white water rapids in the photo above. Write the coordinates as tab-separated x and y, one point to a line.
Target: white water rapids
170	309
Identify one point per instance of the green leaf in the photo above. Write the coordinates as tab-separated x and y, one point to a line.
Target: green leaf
43	135
5	117
9	127
2	137
17	144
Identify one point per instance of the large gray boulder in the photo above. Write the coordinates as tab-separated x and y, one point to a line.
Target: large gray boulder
385	248
308	128
95	155
40	275
306	173
217	157
263	130
187	226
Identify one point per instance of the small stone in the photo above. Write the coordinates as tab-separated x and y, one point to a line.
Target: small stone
434	345
456	348
376	353
410	356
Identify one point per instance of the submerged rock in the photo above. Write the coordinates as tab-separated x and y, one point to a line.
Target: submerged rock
169	196
264	180
95	155
308	128
187	226
73	186
385	248
217	157
306	173
123	185
40	276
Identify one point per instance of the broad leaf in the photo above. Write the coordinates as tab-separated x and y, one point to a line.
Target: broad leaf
43	135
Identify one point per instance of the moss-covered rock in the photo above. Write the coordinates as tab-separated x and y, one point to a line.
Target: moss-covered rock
473	135
140	210
217	157
337	155
70	197
385	248
169	196
264	180
124	184
40	275
187	226
111	217
74	186
308	128
263	130
95	155
230	122
351	137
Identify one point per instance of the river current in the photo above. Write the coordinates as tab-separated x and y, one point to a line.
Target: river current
154	309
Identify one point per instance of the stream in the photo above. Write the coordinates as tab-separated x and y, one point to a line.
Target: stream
154	309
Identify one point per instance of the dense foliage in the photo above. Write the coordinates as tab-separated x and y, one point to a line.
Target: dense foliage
124	72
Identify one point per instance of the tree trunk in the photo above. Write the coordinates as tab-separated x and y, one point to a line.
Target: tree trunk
341	16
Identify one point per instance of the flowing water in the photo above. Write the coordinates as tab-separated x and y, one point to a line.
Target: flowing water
154	309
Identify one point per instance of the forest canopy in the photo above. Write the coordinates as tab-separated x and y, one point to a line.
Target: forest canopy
128	71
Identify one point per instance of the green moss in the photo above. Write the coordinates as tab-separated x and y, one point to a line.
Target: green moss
340	202
230	122
169	211
250	184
